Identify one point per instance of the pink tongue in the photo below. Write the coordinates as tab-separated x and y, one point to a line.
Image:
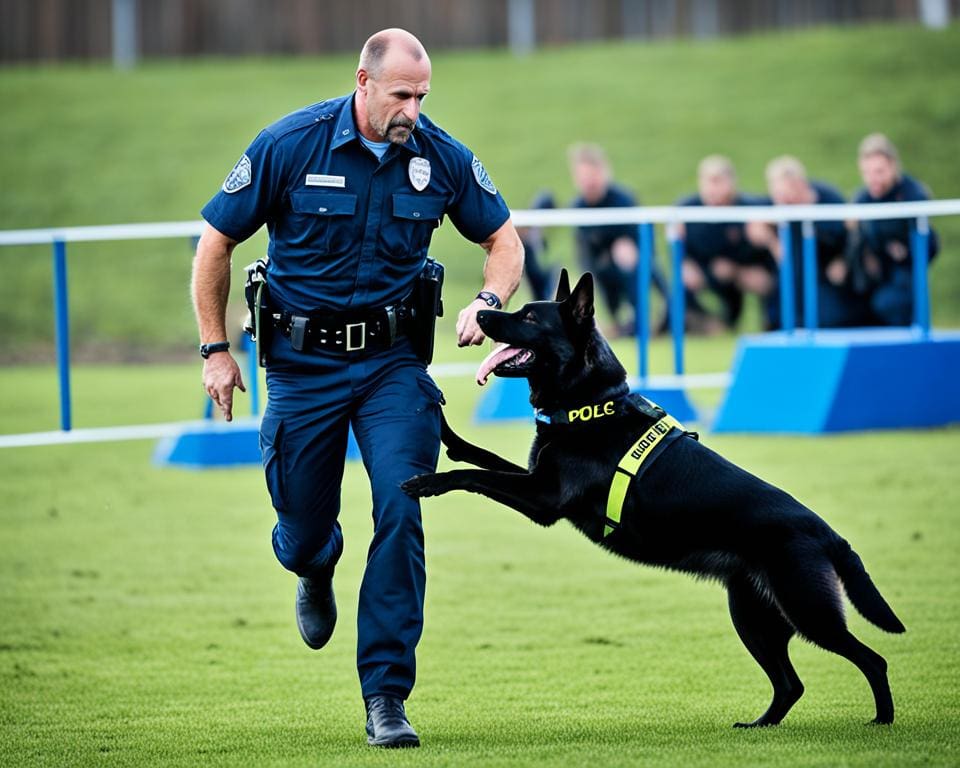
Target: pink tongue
491	361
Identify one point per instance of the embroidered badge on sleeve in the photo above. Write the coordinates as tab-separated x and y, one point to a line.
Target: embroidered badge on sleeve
482	177
239	177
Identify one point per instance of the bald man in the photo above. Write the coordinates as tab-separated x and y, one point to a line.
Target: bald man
351	190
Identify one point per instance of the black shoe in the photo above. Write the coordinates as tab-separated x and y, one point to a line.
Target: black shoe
387	724
316	609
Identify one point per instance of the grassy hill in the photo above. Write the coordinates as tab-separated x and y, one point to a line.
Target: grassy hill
88	145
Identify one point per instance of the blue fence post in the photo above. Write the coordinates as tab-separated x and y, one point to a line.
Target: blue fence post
62	325
643	297
920	249
677	299
809	276
787	308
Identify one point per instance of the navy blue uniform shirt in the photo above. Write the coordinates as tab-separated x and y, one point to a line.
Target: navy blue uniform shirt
705	241
831	236
347	230
877	235
596	240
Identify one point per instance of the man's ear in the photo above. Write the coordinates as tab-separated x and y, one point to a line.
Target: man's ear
563	287
581	299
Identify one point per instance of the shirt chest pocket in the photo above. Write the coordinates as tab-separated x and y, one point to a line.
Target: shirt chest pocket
325	222
411	226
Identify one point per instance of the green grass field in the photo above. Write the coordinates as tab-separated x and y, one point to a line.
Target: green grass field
145	620
143	617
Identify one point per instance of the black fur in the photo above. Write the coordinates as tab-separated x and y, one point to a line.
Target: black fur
691	510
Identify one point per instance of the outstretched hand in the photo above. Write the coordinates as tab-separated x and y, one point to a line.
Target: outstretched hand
220	375
468	330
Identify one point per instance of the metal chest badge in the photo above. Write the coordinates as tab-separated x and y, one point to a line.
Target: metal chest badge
419	173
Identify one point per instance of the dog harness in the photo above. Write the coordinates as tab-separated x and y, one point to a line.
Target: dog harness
629	468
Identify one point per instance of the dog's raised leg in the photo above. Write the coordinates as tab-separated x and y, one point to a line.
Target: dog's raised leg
459	449
522	492
765	633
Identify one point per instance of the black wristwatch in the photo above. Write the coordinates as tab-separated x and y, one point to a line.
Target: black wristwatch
491	299
218	346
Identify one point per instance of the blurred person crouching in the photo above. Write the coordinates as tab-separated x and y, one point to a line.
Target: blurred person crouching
883	249
718	257
610	252
838	305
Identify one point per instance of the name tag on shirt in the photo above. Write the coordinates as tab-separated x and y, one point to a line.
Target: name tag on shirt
323	180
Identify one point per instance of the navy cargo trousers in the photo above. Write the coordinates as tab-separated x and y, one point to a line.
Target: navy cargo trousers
394	408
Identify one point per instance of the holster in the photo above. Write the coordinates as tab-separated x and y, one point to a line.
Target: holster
258	325
425	305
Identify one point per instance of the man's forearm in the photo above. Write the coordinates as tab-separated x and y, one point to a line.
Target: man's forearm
210	286
504	265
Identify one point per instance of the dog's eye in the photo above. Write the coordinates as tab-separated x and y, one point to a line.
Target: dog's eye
530	317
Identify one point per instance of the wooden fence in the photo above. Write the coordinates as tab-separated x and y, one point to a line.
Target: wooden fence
53	30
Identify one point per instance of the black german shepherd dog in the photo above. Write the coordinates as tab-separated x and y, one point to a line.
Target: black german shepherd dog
686	509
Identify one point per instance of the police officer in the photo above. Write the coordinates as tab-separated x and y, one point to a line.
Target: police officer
837	304
351	190
611	252
884	246
718	257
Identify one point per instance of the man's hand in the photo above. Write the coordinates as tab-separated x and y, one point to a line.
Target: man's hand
220	375
468	331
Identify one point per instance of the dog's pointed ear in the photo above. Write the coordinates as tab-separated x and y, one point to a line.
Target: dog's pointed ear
563	286
581	299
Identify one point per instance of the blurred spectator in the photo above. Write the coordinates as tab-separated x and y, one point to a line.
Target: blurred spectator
718	257
837	304
611	252
884	248
542	280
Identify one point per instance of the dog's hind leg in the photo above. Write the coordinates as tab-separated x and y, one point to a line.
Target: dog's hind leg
766	634
808	591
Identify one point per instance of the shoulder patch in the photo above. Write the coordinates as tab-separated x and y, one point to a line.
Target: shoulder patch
239	177
482	177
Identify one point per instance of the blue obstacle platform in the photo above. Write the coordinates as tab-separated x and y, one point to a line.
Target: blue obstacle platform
210	444
814	382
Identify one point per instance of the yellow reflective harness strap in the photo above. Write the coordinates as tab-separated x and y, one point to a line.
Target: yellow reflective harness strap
629	466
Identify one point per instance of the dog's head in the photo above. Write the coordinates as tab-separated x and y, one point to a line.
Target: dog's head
553	344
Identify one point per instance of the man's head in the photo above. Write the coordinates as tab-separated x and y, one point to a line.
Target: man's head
590	170
393	77
717	180
787	182
879	164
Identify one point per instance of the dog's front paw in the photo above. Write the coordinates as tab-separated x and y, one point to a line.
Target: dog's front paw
424	485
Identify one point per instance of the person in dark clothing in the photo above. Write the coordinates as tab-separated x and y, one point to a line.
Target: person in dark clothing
718	257
837	303
610	252
884	250
542	279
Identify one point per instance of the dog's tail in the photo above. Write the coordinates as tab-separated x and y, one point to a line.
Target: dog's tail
861	590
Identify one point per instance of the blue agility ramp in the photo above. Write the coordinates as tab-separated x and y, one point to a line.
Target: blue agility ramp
211	444
814	382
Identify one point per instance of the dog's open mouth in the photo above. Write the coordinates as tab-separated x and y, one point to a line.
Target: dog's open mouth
504	361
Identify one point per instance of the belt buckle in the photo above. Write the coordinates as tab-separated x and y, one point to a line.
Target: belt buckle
363	336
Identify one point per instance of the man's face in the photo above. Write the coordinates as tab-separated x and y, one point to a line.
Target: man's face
393	98
879	174
591	181
717	189
789	190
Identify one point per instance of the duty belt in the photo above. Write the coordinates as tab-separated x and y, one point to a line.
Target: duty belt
346	332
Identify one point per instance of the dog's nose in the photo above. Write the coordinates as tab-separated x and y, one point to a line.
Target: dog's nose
483	317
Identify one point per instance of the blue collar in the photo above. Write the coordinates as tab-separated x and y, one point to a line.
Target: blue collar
346	128
587	414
